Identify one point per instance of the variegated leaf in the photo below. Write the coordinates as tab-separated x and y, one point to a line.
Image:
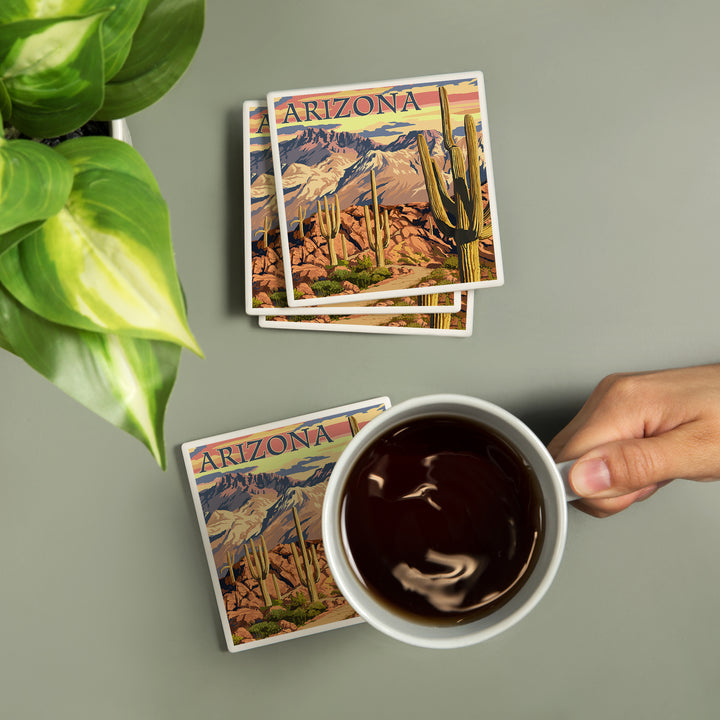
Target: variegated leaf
125	380
117	30
105	261
35	182
53	73
163	46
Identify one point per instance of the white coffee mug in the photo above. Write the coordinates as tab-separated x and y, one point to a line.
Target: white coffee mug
555	491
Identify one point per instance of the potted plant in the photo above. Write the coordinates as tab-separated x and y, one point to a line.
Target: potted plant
89	292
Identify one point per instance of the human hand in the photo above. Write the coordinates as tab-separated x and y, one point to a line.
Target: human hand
637	432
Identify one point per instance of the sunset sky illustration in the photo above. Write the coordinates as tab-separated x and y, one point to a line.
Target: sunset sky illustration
463	95
258	128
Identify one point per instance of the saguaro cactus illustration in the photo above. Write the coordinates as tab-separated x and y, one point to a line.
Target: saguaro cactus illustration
230	563
379	238
354	428
438	321
330	225
259	566
300	230
462	215
263	245
308	568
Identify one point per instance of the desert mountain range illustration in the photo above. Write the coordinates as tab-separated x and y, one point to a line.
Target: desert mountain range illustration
320	162
240	507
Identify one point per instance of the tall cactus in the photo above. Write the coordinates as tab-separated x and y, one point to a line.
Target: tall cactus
259	566
330	225
461	215
354	427
379	239
308	569
438	321
230	566
300	230
278	595
429	299
263	244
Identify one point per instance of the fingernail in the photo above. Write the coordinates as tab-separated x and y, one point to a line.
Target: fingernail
590	477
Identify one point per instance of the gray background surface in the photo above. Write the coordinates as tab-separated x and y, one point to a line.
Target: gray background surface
604	128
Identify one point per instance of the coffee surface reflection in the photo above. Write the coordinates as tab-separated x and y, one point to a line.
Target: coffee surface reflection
442	519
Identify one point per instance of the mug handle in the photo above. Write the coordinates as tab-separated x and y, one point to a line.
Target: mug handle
564	470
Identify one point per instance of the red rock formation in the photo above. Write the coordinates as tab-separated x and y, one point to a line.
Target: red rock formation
243	599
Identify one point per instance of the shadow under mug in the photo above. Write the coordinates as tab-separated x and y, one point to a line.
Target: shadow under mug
556	493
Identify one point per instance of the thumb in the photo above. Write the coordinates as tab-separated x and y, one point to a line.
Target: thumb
625	466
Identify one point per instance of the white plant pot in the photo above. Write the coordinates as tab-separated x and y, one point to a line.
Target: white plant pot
120	131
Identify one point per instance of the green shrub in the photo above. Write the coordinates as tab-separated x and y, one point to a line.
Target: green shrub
295	601
264	629
340	275
363	264
323	288
298	617
279	298
277	613
361	278
314	609
380	274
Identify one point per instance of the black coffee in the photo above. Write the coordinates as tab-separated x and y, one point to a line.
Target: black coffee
443	519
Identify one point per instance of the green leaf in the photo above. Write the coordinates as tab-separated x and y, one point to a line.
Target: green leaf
11	239
4	342
53	72
163	46
35	182
13	10
98	152
125	380
117	30
5	104
105	262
